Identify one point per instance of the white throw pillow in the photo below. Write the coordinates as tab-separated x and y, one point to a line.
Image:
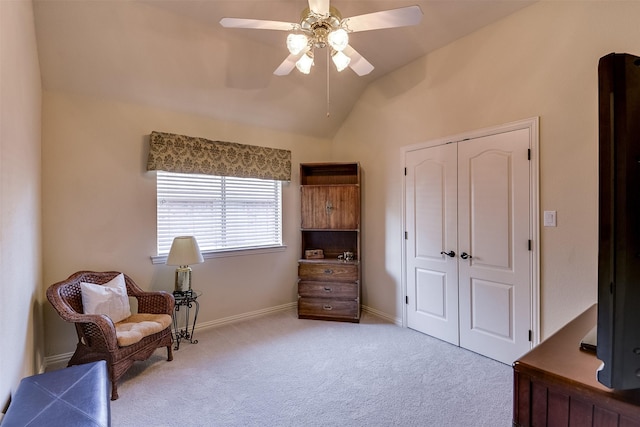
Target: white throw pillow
110	299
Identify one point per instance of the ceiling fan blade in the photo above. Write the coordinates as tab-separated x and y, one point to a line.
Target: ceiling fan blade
402	17
320	7
358	64
288	64
256	24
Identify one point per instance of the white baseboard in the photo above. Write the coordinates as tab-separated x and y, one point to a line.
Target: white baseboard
57	361
245	316
382	315
61	360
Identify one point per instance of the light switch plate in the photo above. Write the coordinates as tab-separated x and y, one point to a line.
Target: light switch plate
549	218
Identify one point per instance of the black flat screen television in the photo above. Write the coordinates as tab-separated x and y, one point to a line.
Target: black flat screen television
618	329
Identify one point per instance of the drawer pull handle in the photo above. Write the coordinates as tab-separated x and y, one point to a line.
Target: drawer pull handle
327	307
327	289
328	271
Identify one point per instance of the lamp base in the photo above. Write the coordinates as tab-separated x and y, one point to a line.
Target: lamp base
183	279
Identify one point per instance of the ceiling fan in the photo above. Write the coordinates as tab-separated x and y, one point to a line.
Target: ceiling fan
322	25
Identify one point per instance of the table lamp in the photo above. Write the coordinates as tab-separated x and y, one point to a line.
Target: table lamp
184	252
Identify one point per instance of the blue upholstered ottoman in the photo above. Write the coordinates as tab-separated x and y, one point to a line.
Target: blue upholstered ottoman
70	397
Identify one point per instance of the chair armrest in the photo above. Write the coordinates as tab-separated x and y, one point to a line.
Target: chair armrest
159	302
98	326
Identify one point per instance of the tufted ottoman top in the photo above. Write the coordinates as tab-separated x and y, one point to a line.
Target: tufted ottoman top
69	397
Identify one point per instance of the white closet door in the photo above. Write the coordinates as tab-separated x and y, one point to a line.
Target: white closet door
493	229
472	198
431	218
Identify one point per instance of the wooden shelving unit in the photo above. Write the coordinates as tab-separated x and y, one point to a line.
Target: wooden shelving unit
329	288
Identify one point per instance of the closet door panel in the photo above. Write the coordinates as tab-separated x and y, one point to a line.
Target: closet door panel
432	276
493	235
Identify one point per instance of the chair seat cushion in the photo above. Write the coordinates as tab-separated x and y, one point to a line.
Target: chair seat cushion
137	326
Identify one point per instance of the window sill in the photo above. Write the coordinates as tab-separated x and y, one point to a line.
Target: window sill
162	259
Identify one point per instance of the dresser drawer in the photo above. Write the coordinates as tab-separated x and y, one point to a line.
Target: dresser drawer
328	290
328	308
340	272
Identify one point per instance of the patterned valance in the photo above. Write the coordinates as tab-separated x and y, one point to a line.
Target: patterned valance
185	154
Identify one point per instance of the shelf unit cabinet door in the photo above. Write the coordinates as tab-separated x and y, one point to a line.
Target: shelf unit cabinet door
331	207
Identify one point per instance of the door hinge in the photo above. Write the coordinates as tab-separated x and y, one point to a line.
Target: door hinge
529	244
406	235
406	299
530	335
405	171
528	153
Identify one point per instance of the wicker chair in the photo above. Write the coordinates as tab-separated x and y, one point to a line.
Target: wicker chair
96	332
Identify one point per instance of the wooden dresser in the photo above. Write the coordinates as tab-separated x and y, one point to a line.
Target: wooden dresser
555	384
328	282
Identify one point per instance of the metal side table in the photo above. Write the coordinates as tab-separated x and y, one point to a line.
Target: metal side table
187	300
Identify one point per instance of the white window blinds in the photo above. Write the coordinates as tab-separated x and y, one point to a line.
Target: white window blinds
223	213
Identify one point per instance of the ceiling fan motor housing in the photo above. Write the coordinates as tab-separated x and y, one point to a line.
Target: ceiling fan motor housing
318	27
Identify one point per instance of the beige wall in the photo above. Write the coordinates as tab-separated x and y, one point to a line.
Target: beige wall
99	207
21	298
542	62
99	203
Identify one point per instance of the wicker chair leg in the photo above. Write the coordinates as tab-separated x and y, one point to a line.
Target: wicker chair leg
169	353
114	390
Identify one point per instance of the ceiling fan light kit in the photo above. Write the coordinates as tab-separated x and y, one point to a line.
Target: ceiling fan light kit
338	39
305	62
297	42
318	31
340	60
321	25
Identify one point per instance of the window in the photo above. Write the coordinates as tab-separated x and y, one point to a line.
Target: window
223	213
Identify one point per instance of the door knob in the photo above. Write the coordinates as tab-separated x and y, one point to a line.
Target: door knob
328	206
450	253
465	255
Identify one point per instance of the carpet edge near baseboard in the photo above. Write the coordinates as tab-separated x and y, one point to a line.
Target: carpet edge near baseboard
60	360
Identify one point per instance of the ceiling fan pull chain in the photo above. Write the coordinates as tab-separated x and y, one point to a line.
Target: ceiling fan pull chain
328	70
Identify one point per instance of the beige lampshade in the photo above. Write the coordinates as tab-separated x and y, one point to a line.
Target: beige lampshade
184	251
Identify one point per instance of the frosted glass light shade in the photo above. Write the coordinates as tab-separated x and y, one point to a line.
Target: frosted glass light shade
296	42
338	39
304	63
340	60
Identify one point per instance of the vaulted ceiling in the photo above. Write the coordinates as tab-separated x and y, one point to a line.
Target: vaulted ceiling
174	54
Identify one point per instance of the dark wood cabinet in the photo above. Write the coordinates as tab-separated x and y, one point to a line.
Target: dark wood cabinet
555	384
334	207
329	284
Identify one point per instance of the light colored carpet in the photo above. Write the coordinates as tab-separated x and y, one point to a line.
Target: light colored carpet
277	370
